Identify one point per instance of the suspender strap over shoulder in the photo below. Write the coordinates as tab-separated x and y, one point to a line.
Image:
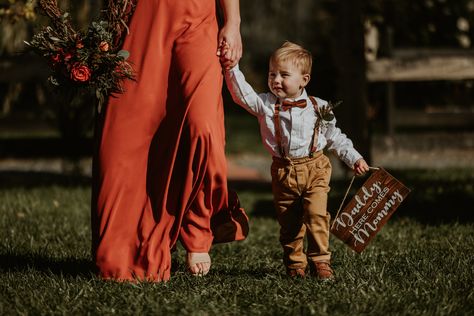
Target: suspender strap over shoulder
277	123
314	140
276	120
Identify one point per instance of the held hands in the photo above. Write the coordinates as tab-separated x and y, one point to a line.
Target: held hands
361	167
230	46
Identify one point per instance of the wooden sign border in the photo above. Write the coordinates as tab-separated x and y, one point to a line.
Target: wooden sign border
369	210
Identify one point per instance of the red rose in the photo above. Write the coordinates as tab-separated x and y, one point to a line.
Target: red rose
104	46
80	73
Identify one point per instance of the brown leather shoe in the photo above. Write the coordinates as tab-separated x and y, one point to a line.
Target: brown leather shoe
322	270
295	273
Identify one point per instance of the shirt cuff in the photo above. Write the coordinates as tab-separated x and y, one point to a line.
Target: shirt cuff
352	158
234	69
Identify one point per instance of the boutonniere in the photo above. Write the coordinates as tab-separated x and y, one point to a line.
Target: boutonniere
325	113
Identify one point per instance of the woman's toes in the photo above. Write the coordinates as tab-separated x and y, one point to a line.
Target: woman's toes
198	263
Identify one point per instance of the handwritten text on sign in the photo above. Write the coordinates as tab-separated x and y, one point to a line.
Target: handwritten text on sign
369	209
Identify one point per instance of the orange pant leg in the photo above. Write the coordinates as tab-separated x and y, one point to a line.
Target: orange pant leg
131	234
160	170
203	132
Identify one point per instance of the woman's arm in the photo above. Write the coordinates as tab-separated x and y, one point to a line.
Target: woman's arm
230	34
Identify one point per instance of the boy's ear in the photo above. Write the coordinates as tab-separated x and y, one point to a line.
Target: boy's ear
306	78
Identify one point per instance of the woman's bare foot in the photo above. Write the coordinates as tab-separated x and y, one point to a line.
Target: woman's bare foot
199	263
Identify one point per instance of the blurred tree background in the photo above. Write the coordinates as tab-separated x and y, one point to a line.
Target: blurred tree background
335	31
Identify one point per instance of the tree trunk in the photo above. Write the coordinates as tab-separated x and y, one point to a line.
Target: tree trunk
348	43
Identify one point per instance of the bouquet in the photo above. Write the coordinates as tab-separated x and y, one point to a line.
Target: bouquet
90	61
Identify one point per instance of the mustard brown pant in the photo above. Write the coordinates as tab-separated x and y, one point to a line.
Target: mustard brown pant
300	189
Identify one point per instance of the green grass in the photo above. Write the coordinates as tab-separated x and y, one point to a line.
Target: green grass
414	266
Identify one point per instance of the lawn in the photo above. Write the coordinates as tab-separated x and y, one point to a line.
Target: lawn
421	263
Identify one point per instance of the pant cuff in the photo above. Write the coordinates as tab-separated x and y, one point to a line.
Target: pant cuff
326	258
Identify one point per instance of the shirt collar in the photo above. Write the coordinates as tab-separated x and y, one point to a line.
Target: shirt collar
303	96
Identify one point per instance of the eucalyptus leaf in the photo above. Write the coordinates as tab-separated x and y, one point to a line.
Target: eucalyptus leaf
123	54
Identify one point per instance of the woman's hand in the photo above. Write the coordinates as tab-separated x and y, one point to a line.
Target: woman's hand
230	45
229	42
361	167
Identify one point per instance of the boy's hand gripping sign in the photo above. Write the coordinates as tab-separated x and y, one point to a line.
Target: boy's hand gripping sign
369	209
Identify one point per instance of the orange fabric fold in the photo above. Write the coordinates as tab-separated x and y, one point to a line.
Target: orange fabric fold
159	170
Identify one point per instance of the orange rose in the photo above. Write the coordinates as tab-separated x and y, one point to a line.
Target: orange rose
80	73
104	46
79	45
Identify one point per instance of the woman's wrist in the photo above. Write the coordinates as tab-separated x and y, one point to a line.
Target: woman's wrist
234	21
231	10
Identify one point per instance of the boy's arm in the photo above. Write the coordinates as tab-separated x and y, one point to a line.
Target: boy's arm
242	93
342	146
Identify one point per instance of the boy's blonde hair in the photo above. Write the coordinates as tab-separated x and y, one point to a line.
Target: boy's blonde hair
293	52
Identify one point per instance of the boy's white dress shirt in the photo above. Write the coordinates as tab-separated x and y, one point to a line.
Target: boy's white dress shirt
297	124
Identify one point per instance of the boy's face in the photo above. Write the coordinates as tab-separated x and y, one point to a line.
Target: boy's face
285	80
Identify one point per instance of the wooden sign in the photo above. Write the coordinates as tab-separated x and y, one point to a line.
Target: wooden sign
369	210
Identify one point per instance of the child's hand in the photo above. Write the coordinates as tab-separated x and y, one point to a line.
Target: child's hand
229	45
361	167
223	51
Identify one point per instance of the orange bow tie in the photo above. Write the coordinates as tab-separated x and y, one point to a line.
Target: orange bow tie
288	104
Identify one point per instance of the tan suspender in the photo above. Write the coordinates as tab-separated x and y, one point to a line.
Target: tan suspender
276	122
314	141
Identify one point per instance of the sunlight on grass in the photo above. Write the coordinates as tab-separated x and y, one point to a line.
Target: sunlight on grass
410	267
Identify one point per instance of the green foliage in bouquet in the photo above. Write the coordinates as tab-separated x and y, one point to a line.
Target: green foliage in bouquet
90	61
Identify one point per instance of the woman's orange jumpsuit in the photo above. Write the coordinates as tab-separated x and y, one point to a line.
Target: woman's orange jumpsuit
159	171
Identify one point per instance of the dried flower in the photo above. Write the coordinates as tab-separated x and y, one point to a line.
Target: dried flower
104	46
325	113
55	59
67	57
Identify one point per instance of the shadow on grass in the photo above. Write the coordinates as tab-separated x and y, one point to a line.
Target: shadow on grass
180	268
260	273
72	267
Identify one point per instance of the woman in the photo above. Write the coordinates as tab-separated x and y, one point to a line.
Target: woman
160	168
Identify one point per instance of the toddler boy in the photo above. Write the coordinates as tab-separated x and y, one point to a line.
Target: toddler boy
295	128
